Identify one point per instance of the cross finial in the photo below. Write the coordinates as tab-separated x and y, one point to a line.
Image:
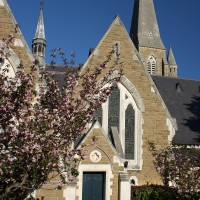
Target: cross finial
41	4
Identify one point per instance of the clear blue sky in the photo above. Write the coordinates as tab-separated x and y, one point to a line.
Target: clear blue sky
78	25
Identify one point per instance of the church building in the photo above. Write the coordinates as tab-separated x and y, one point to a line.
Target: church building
149	104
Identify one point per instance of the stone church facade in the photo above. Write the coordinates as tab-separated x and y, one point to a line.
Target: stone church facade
148	104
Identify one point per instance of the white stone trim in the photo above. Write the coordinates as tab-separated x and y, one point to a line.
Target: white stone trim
7	65
152	65
152	90
171	130
18	43
69	192
124	102
133	91
187	146
125	187
12	61
95	156
95	168
135	179
193	146
135	58
105	116
1	3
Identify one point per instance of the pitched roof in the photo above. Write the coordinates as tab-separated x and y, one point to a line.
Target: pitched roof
60	72
144	27
182	98
105	139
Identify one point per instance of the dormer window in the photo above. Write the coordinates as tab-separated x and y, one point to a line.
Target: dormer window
179	88
151	65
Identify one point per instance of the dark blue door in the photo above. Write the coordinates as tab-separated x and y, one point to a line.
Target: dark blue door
93	186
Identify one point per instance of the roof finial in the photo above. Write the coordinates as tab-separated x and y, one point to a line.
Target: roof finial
41	4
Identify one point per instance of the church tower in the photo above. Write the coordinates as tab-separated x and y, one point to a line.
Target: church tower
39	41
146	37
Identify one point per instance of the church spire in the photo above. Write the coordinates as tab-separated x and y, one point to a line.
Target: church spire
40	33
170	58
39	41
144	27
172	63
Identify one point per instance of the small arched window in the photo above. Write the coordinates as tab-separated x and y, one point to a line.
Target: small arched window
39	49
42	49
151	65
35	49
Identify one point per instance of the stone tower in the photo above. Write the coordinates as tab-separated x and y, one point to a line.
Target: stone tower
146	37
39	41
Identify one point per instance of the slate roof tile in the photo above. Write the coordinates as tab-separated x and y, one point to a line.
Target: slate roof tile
183	105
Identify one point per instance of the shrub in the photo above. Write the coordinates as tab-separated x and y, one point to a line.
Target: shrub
154	192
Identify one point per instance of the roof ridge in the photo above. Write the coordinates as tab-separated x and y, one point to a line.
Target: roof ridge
186	79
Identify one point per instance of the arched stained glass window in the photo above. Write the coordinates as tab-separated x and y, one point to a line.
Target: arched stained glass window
113	109
151	65
129	132
121	113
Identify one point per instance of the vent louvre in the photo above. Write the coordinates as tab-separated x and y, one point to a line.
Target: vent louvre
151	65
178	87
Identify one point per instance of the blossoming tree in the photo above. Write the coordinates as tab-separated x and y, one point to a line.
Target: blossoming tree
179	167
37	127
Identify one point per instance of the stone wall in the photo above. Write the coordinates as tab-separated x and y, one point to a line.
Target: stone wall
154	119
158	54
8	25
155	114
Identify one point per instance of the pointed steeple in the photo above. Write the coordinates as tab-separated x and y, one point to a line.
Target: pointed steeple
40	33
144	28
172	63
170	58
39	41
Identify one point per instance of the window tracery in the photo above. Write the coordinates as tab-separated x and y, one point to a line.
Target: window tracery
151	65
121	112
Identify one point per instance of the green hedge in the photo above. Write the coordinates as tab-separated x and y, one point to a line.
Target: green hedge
158	192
